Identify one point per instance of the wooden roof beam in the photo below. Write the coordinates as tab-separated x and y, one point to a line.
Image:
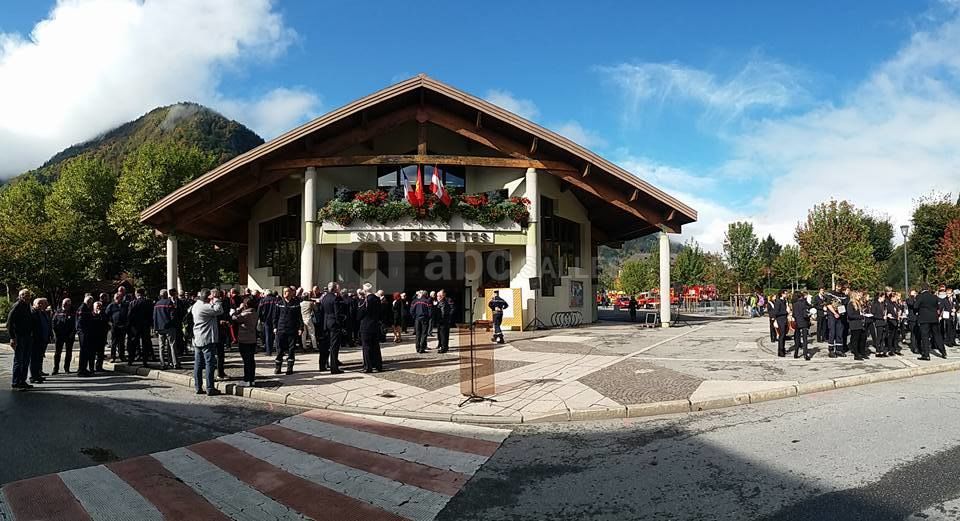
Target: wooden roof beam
407	159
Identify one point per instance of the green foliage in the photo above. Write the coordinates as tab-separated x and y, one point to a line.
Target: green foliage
637	276
769	250
834	242
948	254
23	232
880	236
790	268
742	251
893	268
690	266
930	217
717	273
5	306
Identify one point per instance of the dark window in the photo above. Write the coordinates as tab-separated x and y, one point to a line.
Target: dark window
388	176
348	267
496	269
279	247
559	246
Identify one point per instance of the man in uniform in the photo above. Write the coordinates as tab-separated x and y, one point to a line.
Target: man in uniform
288	326
334	316
928	314
117	318
497	305
264	312
421	309
819	304
165	323
140	318
910	306
780	320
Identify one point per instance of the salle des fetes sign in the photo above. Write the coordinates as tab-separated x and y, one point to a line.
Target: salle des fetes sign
422	236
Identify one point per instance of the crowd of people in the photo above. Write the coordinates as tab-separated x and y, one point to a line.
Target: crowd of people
212	321
851	321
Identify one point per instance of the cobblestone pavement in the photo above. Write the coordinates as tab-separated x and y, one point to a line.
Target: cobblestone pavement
604	366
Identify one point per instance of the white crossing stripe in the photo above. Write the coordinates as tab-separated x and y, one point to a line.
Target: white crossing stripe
5	513
107	497
404	500
228	494
452	428
436	457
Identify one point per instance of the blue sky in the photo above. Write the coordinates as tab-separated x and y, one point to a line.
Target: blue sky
745	110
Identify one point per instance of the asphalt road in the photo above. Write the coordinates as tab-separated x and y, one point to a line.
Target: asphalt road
72	422
885	451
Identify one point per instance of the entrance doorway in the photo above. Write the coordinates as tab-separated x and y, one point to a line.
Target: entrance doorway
433	271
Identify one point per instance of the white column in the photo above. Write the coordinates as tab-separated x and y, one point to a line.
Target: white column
309	238
531	266
173	275
664	279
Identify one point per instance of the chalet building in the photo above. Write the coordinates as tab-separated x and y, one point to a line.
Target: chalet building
327	201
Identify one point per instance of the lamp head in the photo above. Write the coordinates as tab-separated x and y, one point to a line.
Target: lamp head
904	229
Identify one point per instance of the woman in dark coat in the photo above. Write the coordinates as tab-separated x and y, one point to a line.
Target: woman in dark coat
368	312
64	330
801	317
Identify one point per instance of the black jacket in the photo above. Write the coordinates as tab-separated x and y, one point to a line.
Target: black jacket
286	316
117	314
780	308
893	310
910	305
333	309
140	314
165	314
854	319
445	310
497	304
421	308
878	309
927	306
369	313
64	322
801	313
19	323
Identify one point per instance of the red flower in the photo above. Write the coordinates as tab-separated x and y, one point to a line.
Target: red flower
520	200
371	197
475	200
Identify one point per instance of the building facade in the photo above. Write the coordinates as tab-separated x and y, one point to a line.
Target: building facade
328	201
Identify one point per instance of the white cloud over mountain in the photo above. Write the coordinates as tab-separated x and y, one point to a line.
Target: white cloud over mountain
91	65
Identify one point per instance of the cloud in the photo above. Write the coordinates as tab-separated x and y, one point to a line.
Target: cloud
575	132
91	65
524	108
760	83
892	138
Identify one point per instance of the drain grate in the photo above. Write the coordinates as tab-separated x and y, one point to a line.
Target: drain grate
99	454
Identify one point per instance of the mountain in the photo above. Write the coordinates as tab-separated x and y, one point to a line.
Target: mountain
188	123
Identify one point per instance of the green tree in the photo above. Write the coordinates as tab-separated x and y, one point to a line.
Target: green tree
691	265
769	250
23	232
83	244
930	217
880	236
948	254
790	267
742	252
151	172
717	273
893	268
635	277
833	241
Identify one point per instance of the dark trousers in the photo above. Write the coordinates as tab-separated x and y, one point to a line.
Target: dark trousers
838	336
222	356
118	336
268	337
821	326
334	341
37	350
249	366
204	359
845	332
421	327
21	358
323	341
914	336
782	336
63	345
858	343
497	330
773	330
801	342
370	340
949	332
86	352
878	331
443	337
100	351
286	345
930	338
433	325
139	343
893	338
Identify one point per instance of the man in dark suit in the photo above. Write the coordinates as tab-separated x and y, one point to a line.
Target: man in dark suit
20	327
911	309
332	307
139	321
928	315
444	319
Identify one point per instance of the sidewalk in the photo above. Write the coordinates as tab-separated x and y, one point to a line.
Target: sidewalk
606	370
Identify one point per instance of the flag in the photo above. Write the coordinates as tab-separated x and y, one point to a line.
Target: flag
436	186
407	191
418	195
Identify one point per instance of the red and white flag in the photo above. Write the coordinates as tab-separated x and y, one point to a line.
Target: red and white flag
436	186
418	196
407	190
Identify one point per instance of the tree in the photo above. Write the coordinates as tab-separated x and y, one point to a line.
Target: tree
769	250
880	236
948	254
833	241
893	268
23	229
151	172
690	266
742	251
635	277
83	245
791	266
930	218
717	273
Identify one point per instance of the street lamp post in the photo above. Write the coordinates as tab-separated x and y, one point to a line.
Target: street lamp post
904	229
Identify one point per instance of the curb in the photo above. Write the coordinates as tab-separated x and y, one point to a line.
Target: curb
607	413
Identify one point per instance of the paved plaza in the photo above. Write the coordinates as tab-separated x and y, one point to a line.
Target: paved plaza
609	369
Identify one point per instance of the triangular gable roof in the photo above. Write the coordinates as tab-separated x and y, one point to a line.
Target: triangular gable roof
683	213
